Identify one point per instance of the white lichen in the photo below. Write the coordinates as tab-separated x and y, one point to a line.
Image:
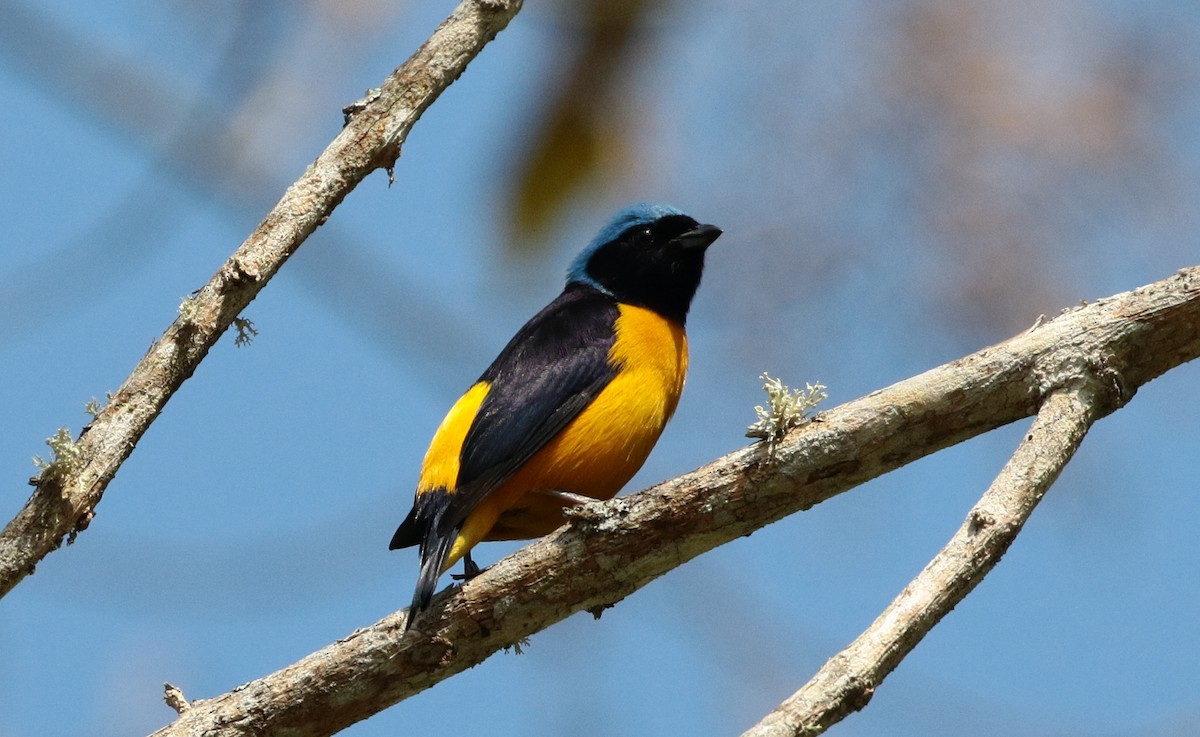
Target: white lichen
93	407
187	308
67	455
787	408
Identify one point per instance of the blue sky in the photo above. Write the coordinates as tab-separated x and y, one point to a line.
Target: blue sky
899	187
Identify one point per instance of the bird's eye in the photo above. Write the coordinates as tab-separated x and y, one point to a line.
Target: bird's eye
647	232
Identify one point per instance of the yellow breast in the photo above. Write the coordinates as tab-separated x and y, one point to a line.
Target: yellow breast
610	440
602	448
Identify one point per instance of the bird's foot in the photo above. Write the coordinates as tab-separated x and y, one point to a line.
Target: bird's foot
470	570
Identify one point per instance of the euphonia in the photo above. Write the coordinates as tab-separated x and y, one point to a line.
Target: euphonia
570	409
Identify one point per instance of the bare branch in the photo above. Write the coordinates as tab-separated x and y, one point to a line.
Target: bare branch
848	680
175	698
610	549
64	500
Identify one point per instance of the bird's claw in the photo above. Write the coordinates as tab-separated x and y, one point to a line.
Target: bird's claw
470	570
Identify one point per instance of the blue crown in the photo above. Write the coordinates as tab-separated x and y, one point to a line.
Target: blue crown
642	213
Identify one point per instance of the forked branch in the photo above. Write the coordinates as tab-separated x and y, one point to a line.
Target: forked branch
848	680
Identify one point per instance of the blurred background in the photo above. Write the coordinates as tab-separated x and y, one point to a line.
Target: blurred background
900	184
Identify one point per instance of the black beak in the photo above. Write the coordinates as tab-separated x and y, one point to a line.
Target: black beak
701	236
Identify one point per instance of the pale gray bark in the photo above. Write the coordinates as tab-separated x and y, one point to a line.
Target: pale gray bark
848	680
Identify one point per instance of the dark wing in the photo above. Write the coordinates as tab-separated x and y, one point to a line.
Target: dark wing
546	375
551	369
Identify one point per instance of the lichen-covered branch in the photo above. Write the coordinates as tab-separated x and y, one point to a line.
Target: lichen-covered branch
848	680
1098	355
65	498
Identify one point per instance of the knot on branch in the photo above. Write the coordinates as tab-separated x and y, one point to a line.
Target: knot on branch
359	105
389	154
858	693
594	513
234	274
978	520
81	524
1095	379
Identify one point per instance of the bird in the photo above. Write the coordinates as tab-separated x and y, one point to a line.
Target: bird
571	407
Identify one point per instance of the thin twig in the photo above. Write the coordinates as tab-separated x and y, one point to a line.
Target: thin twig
610	549
65	499
848	680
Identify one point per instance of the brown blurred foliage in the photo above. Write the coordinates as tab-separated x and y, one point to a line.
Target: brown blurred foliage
575	135
1033	117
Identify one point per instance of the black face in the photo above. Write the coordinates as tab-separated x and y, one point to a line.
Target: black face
655	265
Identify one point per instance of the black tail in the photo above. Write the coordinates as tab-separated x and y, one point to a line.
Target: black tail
435	549
408	533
